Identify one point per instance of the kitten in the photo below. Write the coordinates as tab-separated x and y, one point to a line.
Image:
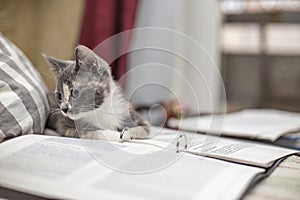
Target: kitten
87	103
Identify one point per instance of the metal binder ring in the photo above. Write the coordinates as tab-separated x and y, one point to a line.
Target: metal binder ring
179	138
124	131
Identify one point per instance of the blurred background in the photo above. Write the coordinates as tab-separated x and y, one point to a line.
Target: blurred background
260	53
255	44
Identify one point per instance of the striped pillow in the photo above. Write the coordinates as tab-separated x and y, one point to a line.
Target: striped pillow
23	101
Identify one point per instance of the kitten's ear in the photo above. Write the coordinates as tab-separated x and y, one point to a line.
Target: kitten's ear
83	55
56	65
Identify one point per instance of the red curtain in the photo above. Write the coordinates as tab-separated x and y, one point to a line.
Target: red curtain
103	19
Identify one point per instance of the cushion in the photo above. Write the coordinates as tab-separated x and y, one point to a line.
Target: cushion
23	101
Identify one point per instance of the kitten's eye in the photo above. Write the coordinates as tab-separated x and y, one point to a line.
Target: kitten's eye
74	93
58	96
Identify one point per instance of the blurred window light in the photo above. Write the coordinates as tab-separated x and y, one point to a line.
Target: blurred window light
283	39
232	7
239	38
257	6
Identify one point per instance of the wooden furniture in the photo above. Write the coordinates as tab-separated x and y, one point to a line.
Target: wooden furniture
283	183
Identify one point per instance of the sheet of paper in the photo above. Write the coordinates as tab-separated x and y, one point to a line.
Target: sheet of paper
63	168
48	161
187	178
241	151
264	124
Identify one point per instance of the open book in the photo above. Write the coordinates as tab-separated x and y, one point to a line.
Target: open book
65	168
265	124
57	167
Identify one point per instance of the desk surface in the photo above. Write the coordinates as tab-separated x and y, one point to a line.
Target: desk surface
283	183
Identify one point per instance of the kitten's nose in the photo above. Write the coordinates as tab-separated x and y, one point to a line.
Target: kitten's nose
64	107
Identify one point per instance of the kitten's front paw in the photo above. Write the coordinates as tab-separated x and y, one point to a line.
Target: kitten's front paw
138	132
125	135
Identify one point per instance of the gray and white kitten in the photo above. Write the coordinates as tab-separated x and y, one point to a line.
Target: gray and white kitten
87	103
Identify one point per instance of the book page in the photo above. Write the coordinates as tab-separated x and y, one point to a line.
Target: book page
236	150
264	124
188	178
56	167
50	160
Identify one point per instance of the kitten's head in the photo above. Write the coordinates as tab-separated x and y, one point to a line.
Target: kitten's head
83	84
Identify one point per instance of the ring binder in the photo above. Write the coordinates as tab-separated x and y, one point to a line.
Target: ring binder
223	148
179	139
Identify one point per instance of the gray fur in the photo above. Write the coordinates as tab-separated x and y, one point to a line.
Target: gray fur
85	91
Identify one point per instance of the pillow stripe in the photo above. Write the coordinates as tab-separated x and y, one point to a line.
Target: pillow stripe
23	102
33	71
19	87
9	124
2	46
13	64
7	47
22	119
26	63
12	50
2	135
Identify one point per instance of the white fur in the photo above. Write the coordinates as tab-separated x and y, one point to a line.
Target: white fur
111	113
